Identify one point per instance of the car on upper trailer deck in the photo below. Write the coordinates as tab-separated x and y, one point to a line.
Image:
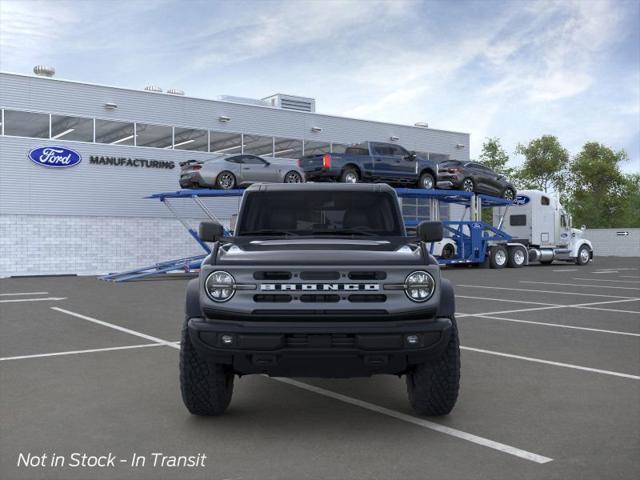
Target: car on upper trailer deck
372	162
233	171
474	177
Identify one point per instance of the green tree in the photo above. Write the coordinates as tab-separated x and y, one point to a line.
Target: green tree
495	157
600	195
545	164
630	214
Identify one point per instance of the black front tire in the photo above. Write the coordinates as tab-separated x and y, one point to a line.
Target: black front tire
584	255
509	194
433	387
427	181
206	387
468	185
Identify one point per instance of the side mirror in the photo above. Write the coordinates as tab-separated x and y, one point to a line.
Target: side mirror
210	231
430	231
233	221
583	228
412	155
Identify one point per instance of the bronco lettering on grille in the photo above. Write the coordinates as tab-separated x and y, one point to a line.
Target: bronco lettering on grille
322	287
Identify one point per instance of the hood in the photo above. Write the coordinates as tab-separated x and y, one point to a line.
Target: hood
320	251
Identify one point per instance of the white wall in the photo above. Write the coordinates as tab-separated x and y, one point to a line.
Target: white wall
607	242
52	244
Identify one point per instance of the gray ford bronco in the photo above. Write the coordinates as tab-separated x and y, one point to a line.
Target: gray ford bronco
320	280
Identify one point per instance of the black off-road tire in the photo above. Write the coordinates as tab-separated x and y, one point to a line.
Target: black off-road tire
206	387
433	386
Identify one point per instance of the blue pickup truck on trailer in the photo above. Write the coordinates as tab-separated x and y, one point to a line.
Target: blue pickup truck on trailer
372	162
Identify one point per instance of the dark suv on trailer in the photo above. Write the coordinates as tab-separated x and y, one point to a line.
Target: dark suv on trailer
474	177
320	280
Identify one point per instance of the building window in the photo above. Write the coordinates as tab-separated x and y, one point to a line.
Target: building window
71	128
316	148
157	136
287	148
191	139
115	133
258	145
225	143
26	124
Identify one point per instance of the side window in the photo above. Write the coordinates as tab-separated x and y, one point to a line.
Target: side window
235	159
398	151
563	220
518	220
253	160
380	149
544	201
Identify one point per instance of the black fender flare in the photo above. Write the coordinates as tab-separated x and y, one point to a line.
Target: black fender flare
192	306
447	307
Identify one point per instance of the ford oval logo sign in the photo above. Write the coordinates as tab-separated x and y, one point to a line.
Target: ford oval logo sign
55	157
521	200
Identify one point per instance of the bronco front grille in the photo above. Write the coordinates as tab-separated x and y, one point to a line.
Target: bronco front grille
320	341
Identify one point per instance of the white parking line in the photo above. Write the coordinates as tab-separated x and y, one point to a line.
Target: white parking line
76	352
582	285
528	290
607	271
558	325
47	299
116	327
588	306
566	270
606	280
485	442
23	293
506	300
549	362
629	276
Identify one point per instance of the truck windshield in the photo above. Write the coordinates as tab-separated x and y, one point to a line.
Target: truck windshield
319	213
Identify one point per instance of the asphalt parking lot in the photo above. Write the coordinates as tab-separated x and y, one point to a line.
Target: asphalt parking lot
550	387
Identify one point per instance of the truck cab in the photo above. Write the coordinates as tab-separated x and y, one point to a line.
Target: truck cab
538	221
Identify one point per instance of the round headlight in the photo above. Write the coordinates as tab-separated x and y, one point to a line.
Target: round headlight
419	286
220	286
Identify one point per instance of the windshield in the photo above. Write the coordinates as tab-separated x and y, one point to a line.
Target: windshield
319	213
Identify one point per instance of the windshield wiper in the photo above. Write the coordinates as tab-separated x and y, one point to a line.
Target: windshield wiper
266	231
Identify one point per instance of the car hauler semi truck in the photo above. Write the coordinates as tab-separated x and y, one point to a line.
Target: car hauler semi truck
538	221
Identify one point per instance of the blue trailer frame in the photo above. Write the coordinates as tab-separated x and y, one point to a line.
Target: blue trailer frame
472	237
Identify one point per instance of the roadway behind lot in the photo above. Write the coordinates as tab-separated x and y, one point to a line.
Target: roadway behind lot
550	387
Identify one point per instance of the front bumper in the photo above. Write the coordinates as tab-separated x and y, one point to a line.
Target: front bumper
320	349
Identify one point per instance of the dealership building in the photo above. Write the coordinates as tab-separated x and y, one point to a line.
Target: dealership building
92	217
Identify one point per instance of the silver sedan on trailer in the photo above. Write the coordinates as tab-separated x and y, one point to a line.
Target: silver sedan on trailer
226	172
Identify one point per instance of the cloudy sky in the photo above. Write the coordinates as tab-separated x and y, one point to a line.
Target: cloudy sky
513	69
